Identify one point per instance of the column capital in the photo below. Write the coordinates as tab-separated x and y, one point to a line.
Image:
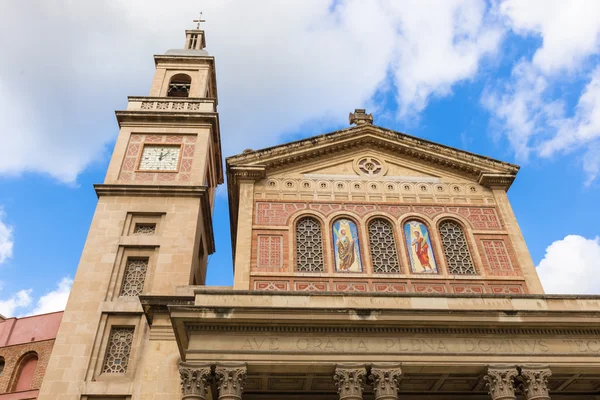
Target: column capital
385	380
535	381
500	381
195	380
230	380
349	379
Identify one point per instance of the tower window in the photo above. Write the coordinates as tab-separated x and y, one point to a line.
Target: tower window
309	246
135	276
456	249
384	255
118	350
180	86
193	40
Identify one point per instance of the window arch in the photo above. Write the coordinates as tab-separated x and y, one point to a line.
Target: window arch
23	380
179	86
309	245
456	248
382	244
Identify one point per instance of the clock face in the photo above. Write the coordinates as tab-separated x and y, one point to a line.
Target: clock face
160	158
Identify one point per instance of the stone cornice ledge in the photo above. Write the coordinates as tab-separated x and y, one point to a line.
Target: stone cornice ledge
103	189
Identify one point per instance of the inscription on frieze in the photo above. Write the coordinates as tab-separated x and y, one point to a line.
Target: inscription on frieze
394	345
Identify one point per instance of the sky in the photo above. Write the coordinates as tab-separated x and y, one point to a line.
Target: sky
514	80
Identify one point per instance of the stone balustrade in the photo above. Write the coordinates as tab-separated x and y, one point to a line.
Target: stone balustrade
162	104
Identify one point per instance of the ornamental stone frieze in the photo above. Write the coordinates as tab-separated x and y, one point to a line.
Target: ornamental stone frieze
230	380
349	380
501	382
385	381
534	381
195	380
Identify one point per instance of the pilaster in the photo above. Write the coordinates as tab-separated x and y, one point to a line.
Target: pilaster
349	380
500	382
385	380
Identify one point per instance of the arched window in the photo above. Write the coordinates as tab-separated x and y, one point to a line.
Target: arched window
309	245
382	243
179	86
418	245
456	249
346	246
25	373
1	365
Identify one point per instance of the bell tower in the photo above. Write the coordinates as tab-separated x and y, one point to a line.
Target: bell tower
150	236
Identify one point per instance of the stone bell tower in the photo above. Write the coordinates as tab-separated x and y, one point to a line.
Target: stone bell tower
151	235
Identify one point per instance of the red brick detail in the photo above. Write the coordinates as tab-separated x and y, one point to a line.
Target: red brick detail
429	211
134	148
256	264
351	287
326	209
396	211
270	251
391	287
467	289
479	217
506	289
496	257
418	287
276	213
311	286
13	355
360	209
271	285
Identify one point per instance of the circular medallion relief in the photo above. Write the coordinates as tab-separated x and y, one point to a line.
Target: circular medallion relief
370	166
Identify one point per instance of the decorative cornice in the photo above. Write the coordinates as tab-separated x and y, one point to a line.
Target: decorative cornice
349	380
230	380
385	380
535	382
494	180
195	380
248	172
500	382
153	305
191	59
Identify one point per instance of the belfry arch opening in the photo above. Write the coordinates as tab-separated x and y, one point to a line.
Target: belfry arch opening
179	86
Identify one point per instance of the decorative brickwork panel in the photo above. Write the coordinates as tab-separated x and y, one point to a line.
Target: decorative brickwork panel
429	288
134	277
467	289
429	211
118	351
382	243
311	286
360	209
351	287
129	167
396	211
326	209
269	251
276	213
391	287
496	255
456	249
271	285
506	289
309	246
480	217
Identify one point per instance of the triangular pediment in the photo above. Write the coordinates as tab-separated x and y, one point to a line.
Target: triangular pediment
401	155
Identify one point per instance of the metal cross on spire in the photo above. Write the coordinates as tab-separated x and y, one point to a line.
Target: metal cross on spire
199	20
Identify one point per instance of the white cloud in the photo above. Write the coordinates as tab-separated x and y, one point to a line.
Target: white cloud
571	266
530	106
6	239
19	300
279	65
20	303
55	300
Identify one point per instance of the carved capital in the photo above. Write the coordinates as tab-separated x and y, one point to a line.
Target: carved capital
230	381
385	380
501	382
535	382
195	380
349	381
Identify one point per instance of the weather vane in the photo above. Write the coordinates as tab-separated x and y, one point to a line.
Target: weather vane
199	20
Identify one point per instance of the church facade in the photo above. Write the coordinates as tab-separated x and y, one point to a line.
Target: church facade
368	264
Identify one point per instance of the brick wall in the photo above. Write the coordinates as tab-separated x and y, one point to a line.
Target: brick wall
14	354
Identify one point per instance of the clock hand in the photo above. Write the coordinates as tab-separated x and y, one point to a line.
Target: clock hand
161	156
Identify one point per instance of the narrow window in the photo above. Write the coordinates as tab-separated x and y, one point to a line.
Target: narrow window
384	255
180	86
25	373
193	40
134	277
1	365
309	246
420	251
118	350
456	249
346	246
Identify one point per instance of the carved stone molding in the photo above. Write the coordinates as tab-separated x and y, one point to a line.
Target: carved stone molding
535	382
385	380
349	380
195	380
500	382
230	380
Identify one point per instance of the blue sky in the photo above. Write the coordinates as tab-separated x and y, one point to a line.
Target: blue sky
518	81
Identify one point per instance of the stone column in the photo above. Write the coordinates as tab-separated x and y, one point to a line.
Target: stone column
195	380
535	382
501	382
349	380
230	380
385	380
